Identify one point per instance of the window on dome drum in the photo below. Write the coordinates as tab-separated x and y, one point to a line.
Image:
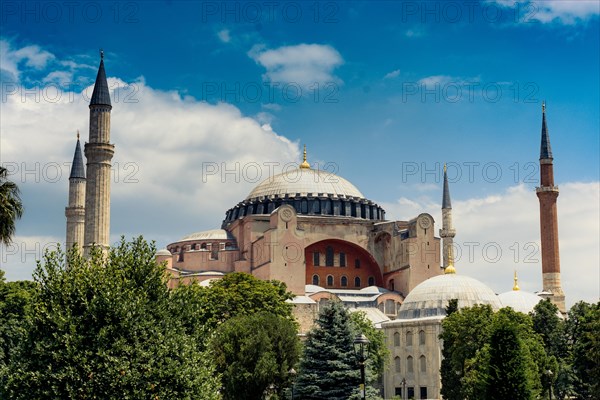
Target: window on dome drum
357	282
304	206
342	259
356	263
390	307
396	339
371	281
423	362
329	280
181	252
423	392
315	280
329	256
344	281
203	246
316	259
397	365
422	338
194	246
222	246
409	365
409	338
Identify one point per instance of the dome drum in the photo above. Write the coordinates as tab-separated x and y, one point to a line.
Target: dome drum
326	205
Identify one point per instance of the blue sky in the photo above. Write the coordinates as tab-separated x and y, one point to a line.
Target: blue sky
383	93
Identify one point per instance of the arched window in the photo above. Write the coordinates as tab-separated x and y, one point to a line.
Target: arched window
356	263
344	281
316	261
357	282
409	365
329	280
203	246
396	339
390	307
329	256
422	338
391	285
397	364
423	363
342	259
181	252
371	281
315	280
304	206
409	338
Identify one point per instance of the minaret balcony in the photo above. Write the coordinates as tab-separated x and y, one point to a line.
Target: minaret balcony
541	189
447	233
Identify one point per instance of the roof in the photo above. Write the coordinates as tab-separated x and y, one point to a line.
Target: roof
545	148
101	94
163	252
304	181
373	314
519	300
77	168
213	234
430	298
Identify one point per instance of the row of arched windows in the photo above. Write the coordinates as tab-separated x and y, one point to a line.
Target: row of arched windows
330	281
409	338
409	364
329	258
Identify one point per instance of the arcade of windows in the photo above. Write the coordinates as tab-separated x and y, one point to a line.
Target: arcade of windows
330	280
213	248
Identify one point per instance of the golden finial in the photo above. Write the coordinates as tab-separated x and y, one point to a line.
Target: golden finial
544	106
305	164
445	168
516	287
77	134
450	268
101	54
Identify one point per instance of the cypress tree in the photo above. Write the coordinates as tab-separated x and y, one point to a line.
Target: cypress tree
328	367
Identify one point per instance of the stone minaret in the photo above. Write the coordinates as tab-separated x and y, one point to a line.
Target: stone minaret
447	232
75	212
547	194
99	153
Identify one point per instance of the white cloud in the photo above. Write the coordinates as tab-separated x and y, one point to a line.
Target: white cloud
31	56
179	163
393	74
303	64
568	12
509	222
224	35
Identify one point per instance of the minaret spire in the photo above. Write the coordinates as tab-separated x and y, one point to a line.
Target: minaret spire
75	211
547	194
447	232
99	152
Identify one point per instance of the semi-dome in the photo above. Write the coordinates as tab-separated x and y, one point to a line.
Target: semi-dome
431	297
519	300
305	182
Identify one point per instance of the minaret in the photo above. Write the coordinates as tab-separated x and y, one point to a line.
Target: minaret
99	153
447	232
547	194
75	211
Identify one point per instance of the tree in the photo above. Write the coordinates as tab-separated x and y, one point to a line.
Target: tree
11	207
254	352
583	326
378	351
328	368
102	328
472	323
202	309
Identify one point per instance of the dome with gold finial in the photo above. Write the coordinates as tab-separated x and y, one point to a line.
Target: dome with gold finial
310	191
519	300
431	297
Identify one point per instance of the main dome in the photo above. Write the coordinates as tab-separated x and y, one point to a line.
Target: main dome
430	298
305	182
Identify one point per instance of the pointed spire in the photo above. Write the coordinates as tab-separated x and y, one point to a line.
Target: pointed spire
545	149
305	164
446	197
516	286
101	95
77	169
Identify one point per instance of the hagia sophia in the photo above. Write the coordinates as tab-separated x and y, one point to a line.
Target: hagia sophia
317	233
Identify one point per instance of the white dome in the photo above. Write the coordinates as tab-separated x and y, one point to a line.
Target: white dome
163	252
430	298
519	300
304	181
214	234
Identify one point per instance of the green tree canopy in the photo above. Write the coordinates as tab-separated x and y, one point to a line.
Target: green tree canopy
378	351
102	328
254	352
583	326
328	367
